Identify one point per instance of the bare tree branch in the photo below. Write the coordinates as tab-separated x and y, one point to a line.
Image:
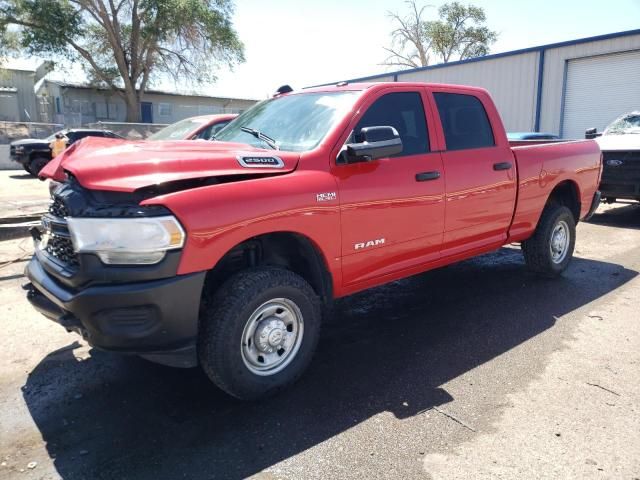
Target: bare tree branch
459	32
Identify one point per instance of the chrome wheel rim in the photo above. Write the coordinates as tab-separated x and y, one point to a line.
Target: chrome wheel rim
560	239
272	337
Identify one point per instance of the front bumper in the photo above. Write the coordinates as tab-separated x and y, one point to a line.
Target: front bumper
157	319
22	159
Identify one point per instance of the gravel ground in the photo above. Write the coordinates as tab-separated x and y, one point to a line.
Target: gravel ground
477	370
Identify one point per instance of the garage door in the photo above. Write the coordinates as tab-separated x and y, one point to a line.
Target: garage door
598	90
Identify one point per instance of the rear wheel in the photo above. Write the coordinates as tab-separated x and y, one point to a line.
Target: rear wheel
37	164
549	251
258	332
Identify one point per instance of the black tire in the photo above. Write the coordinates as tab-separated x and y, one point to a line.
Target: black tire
26	168
37	164
224	316
537	250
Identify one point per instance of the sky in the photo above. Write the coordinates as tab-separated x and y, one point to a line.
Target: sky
309	42
305	42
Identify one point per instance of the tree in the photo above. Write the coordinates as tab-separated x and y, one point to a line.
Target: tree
459	33
125	45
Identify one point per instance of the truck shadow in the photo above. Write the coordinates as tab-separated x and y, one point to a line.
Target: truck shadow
389	349
621	216
22	176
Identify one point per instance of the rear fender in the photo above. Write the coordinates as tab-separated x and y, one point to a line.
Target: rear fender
541	169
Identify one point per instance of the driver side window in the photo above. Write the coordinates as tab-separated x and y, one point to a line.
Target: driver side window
404	112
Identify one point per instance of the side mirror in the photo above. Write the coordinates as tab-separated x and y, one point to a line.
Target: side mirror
590	133
373	143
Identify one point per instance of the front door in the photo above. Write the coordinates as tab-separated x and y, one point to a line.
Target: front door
392	209
146	112
481	173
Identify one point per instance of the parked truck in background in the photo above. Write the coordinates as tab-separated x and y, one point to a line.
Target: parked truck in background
620	146
226	254
34	153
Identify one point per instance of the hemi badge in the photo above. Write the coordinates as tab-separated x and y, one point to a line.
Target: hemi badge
325	197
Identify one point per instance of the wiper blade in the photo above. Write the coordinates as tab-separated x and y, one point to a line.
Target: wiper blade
258	134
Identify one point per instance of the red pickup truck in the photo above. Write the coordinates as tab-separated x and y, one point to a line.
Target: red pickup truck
228	253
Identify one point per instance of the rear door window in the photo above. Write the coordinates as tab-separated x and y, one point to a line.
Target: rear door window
464	121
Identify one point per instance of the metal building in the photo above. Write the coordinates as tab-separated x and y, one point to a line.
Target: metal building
562	88
17	100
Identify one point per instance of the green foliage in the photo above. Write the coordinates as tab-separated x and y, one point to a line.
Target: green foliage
460	32
126	44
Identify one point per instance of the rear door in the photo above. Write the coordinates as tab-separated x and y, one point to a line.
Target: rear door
392	209
480	171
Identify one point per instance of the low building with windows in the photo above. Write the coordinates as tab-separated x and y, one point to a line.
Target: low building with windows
75	104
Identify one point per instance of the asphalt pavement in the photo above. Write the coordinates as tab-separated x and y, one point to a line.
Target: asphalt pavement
476	370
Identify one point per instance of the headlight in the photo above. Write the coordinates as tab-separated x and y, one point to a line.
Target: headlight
19	149
126	241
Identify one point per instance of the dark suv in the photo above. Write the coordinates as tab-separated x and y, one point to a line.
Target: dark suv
33	153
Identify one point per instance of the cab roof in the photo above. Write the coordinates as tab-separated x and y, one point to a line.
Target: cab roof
361	86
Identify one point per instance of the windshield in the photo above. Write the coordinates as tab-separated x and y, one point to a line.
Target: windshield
629	123
295	122
178	130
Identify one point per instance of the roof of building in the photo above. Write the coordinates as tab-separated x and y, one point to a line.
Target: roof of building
87	86
20	64
497	55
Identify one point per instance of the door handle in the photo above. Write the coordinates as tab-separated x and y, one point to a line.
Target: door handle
425	176
502	166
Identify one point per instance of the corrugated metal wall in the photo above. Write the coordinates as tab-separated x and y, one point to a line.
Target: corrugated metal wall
24	81
511	81
383	78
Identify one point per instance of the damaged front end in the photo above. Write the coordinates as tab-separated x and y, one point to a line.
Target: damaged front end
131	306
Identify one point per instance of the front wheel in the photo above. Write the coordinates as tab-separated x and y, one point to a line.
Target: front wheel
550	249
258	332
36	165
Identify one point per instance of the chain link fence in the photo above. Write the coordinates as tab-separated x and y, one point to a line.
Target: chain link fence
10	131
130	131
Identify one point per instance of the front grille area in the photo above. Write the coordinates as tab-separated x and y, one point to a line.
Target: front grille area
57	208
621	174
59	244
627	169
61	248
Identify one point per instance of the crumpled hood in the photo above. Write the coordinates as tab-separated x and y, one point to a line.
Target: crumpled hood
121	165
612	143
